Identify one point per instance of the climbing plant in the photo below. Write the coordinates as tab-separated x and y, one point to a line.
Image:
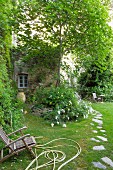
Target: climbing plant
9	109
5	30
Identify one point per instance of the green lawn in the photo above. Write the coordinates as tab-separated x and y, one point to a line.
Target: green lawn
81	132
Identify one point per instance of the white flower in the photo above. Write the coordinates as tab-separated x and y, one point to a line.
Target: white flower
25	112
22	110
52	124
56	117
91	110
63	111
64	125
70	102
58	123
59	112
84	116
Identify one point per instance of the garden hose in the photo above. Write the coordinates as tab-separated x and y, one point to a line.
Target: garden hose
53	156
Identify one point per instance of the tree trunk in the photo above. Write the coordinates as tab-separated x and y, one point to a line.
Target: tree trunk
60	57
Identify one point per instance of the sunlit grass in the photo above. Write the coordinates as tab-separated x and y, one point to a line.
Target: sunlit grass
81	132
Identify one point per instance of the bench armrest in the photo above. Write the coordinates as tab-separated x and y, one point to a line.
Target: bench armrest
21	138
19	130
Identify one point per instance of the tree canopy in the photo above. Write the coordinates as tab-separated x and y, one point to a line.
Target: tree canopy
79	27
70	25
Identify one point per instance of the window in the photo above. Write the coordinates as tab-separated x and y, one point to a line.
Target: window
22	81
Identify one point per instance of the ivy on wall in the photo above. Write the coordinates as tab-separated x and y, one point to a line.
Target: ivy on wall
5	30
9	110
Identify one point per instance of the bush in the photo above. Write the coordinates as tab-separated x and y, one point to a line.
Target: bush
95	80
63	103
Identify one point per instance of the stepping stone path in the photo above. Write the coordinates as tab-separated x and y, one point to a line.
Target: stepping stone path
99	148
99	165
95	131
102	138
97	139
93	139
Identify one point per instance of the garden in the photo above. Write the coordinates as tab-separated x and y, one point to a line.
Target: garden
56	54
80	131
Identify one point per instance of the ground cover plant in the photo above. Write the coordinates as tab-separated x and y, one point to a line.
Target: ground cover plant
78	131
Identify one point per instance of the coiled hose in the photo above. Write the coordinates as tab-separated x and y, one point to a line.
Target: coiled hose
53	156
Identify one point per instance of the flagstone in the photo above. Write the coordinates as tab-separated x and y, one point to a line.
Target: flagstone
93	139
99	114
99	148
102	130
97	121
99	127
99	165
108	161
98	117
102	138
94	131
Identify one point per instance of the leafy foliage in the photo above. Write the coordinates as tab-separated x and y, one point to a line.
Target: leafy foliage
69	26
10	109
5	30
63	104
94	79
10	113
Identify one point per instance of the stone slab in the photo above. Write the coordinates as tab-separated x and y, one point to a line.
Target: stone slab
107	161
102	138
99	148
98	117
97	121
99	165
99	114
94	131
93	139
102	130
99	127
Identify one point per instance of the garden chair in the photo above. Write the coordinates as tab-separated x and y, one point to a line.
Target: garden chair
95	98
13	147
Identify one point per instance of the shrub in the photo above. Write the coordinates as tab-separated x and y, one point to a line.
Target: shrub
10	109
63	103
93	79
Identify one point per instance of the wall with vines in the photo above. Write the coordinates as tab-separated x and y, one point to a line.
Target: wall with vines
9	115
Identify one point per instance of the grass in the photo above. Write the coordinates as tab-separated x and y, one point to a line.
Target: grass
81	132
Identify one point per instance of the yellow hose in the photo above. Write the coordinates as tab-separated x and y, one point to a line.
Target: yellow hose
55	155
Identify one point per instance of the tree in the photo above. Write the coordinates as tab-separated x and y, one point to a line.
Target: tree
79	27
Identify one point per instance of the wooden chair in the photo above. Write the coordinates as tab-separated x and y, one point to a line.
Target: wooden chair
95	98
16	146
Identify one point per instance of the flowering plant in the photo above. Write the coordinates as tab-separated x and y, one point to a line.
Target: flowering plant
65	106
